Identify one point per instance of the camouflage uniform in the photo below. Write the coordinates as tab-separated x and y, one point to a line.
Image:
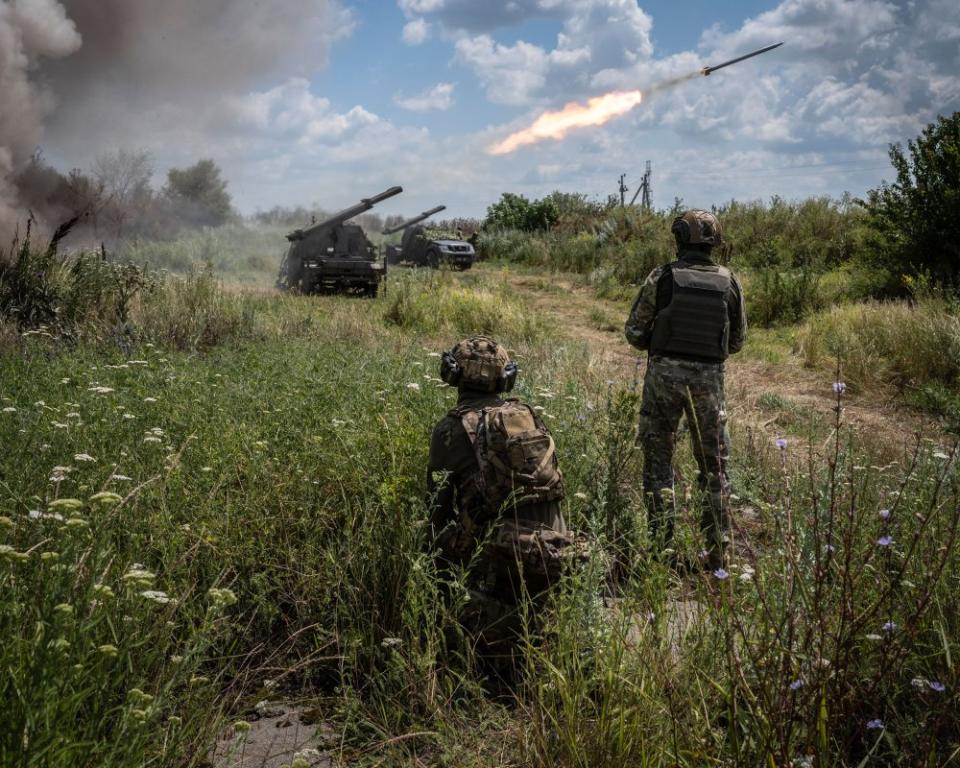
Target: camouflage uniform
678	384
491	615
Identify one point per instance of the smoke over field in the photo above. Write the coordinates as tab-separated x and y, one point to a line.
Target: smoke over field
97	73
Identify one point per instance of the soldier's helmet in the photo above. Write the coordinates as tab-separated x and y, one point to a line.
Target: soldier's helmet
696	227
478	363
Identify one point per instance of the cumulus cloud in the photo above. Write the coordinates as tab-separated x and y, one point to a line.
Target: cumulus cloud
596	35
416	32
438	98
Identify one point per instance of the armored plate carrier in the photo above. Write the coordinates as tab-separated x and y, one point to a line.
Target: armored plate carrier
426	247
332	256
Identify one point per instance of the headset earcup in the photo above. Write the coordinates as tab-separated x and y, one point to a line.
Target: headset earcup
681	229
450	370
509	377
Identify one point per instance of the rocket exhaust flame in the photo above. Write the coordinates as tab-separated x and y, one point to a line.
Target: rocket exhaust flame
556	125
598	110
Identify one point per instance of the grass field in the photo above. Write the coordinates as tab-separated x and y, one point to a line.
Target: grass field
223	503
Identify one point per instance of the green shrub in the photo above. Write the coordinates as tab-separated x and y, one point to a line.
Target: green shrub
777	297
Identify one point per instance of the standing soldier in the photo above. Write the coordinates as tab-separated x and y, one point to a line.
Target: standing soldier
690	316
495	489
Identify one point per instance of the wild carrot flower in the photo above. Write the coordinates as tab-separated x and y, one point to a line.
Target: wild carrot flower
221	598
157	596
414	386
9	409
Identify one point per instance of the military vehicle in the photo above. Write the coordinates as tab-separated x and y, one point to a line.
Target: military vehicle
332	256
395	252
429	247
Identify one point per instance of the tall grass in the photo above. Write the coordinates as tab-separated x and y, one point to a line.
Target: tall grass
908	345
286	466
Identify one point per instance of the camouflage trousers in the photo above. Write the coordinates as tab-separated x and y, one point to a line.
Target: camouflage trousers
671	389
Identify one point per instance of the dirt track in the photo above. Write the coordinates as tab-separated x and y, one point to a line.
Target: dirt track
749	379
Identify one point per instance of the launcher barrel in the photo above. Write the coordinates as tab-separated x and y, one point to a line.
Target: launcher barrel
347	213
415	220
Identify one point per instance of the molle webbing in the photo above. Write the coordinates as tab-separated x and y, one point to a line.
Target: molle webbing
695	324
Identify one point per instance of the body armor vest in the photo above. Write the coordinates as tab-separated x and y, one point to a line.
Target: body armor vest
695	325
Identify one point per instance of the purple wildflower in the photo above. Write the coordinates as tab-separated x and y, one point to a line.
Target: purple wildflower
796	685
884	514
875	725
890	626
839	387
781	444
936	685
721	574
829	548
885	541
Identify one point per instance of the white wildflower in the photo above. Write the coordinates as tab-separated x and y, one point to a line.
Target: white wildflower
390	642
101	390
139	575
157	596
149	399
85	457
414	386
120	478
59	425
9	409
152	439
129	416
580	495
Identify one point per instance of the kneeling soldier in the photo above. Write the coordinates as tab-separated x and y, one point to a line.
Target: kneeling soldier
495	489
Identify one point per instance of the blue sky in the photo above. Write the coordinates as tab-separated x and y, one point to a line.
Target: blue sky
362	95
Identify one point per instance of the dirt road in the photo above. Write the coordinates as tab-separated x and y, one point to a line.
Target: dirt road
771	395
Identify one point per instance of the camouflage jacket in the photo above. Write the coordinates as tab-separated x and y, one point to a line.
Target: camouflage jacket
453	462
655	294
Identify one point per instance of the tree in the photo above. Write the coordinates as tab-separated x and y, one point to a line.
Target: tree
124	178
516	212
199	194
914	220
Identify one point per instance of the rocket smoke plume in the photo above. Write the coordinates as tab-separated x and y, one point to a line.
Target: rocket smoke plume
92	73
597	111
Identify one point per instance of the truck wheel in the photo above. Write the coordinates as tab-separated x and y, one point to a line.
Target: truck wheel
433	259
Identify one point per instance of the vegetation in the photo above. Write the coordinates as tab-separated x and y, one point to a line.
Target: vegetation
231	508
913	217
212	497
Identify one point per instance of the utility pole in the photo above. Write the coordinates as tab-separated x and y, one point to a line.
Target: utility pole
646	202
623	189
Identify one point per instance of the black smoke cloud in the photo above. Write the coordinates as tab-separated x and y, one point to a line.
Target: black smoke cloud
87	76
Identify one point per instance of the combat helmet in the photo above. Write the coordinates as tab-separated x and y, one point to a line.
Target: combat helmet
478	363
697	227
